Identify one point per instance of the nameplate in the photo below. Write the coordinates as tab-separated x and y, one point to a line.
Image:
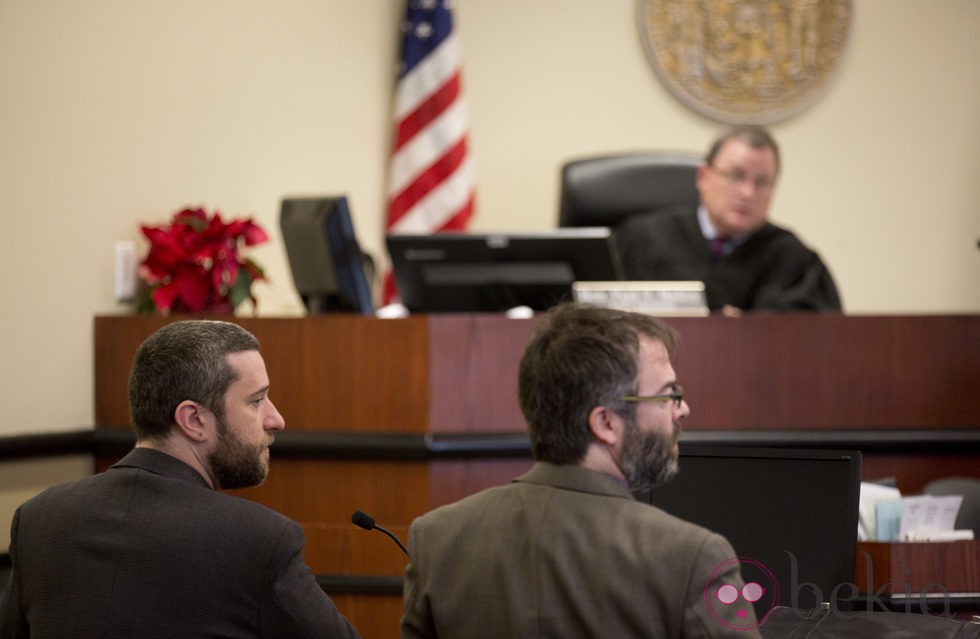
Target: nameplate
673	299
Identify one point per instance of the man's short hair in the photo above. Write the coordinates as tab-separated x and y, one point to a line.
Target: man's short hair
578	358
185	360
756	137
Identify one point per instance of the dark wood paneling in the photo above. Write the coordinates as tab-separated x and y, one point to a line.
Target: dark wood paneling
338	372
344	549
473	364
348	373
831	371
805	372
328	491
912	471
918	567
451	480
760	372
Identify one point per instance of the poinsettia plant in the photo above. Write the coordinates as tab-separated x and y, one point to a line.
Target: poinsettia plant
194	263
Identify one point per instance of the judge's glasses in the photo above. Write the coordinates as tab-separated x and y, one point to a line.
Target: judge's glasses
738	178
676	395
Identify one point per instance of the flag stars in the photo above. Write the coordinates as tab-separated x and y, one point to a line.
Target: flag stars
423	30
420	30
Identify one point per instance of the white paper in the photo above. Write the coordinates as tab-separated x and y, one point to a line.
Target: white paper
928	514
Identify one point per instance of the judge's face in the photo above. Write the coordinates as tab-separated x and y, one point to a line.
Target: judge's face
737	187
241	456
648	456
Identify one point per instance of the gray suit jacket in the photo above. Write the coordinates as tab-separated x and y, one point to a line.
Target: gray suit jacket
563	552
147	550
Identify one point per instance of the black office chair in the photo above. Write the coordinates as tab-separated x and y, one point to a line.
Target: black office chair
968	517
603	190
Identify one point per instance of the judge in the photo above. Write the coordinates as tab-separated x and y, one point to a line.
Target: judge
746	262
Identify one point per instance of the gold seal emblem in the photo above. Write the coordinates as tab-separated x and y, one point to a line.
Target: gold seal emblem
745	61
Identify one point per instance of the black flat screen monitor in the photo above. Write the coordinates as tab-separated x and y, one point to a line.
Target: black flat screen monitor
330	272
468	272
793	512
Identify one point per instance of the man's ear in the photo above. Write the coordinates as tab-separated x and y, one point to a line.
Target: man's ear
193	420
605	425
701	174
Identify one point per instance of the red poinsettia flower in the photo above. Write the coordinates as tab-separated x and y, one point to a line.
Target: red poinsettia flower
193	264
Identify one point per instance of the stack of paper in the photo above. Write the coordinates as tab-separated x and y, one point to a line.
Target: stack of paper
887	516
929	518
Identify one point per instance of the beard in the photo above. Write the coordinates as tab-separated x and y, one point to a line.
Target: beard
236	464
648	459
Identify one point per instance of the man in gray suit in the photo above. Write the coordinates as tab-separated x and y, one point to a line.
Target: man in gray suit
150	548
565	550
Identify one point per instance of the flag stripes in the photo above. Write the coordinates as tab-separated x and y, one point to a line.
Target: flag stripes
431	183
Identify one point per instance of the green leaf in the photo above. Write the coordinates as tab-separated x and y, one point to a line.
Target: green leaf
241	289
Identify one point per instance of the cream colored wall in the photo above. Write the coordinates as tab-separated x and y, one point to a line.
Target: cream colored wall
115	113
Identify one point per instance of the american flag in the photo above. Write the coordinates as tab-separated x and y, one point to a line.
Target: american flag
431	181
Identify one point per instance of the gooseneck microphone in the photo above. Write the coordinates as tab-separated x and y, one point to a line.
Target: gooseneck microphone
365	521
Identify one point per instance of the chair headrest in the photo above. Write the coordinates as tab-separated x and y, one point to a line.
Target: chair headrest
602	190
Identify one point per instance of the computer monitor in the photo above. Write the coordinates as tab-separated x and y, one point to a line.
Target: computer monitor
330	272
790	514
468	272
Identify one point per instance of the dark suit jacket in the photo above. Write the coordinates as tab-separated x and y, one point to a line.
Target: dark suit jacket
772	270
147	550
564	552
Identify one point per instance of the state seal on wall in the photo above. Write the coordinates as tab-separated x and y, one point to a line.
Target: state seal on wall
745	61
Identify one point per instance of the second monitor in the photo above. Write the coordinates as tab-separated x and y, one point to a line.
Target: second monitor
465	272
330	272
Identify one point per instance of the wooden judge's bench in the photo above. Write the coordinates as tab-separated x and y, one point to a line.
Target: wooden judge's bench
396	417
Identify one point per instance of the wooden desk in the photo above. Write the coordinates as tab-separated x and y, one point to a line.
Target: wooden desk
939	578
457	373
916	568
789	379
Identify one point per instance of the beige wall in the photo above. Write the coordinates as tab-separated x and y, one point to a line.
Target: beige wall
115	113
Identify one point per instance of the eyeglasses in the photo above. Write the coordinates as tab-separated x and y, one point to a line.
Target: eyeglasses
676	395
738	178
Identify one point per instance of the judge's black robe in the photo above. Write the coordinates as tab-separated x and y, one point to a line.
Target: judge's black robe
772	270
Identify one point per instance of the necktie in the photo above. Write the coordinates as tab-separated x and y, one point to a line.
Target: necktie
719	247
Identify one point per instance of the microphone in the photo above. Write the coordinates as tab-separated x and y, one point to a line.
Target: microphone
365	521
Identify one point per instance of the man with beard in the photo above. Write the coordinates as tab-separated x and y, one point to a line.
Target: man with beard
151	548
565	550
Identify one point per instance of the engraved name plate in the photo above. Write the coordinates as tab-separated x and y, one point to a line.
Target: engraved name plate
675	299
